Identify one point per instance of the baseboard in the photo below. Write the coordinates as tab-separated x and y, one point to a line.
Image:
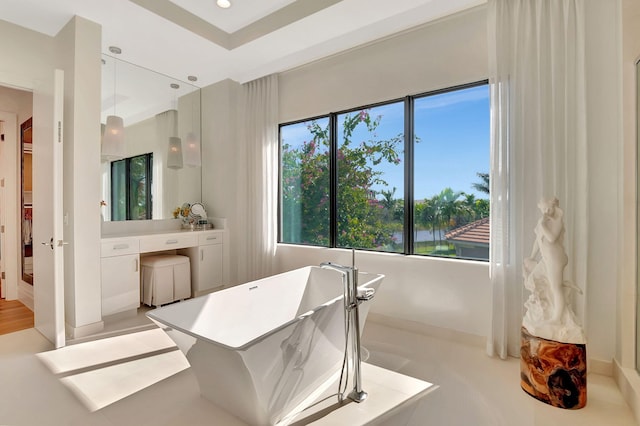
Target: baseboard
628	382
109	334
83	331
25	294
595	366
429	330
598	366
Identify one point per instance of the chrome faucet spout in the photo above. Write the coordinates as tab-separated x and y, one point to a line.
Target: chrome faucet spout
352	299
336	267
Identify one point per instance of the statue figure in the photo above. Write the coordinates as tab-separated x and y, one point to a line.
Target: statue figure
549	314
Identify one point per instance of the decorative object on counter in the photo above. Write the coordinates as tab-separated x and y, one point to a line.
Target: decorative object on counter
199	216
198	211
182	212
553	366
194	216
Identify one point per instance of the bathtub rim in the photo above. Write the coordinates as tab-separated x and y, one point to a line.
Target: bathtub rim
164	325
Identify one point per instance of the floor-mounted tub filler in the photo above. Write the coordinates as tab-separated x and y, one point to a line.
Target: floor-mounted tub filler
261	349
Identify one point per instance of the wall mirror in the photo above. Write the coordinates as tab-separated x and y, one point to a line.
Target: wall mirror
157	164
27	215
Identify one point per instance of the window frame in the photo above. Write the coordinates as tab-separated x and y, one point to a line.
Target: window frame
409	182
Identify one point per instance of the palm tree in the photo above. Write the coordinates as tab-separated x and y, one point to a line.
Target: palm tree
484	185
448	205
429	216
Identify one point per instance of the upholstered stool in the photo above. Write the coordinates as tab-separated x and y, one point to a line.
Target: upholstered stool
165	279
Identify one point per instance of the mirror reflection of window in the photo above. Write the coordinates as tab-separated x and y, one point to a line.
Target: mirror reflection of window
131	180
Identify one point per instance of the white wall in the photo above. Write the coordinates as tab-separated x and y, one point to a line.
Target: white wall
17	101
452	51
26	56
604	140
626	317
78	46
219	163
449	52
627	285
451	294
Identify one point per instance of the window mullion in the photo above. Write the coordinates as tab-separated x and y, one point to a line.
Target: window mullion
333	180
127	188
408	175
149	180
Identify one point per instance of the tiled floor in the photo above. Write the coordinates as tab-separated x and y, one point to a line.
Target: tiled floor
473	388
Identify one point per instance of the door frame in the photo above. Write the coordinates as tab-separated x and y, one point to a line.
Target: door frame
9	216
30	84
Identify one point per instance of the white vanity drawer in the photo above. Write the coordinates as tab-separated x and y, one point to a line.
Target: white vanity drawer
208	238
119	247
167	242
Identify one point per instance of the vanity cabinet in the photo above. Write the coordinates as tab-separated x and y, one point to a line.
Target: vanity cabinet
206	263
121	264
120	276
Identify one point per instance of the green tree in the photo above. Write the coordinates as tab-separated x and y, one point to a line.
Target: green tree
363	219
449	206
427	215
483	185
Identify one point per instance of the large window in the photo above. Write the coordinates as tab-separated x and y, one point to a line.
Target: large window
408	176
304	182
131	188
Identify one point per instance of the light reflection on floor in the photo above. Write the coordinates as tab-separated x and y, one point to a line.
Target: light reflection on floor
105	371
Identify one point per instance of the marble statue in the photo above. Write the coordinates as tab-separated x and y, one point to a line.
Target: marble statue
549	314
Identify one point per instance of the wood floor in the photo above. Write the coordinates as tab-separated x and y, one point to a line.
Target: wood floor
14	316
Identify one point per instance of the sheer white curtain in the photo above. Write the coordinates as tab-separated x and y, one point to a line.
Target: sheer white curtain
537	76
259	177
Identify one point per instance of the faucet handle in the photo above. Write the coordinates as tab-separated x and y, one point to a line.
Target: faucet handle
365	294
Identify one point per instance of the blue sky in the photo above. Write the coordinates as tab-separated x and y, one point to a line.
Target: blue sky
453	129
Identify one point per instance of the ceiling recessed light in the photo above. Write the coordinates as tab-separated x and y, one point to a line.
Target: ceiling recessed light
223	3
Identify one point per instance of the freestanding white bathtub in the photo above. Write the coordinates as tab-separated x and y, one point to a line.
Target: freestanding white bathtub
259	349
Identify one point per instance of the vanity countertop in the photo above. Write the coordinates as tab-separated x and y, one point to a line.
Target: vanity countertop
157	232
150	228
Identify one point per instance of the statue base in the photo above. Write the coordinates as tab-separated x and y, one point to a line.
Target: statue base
553	372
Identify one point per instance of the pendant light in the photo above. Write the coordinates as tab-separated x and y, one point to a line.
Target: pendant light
174	157
113	137
192	157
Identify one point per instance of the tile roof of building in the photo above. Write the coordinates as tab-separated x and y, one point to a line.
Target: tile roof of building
474	232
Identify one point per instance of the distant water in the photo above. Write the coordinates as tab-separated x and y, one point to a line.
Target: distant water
423	235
